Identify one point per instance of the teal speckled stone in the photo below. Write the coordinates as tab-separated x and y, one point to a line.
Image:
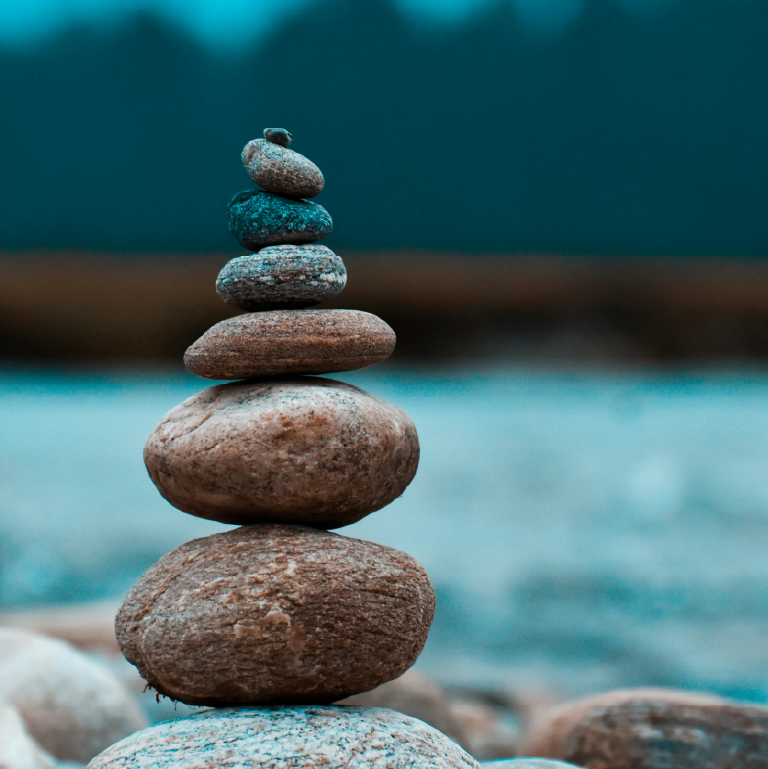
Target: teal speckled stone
258	219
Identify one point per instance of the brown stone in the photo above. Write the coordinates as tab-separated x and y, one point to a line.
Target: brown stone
288	738
306	450
547	735
274	613
657	735
280	342
280	170
413	694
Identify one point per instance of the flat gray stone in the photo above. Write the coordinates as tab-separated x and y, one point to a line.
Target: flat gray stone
280	170
282	277
258	219
288	738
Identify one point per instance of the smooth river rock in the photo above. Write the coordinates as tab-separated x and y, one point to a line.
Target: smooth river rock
273	613
288	738
655	735
71	706
281	342
258	218
548	734
282	277
278	136
280	170
305	450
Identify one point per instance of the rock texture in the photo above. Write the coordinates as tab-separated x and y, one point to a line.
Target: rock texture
275	613
548	734
282	277
281	342
279	738
17	749
526	763
655	735
71	706
278	136
413	694
257	219
306	450
280	170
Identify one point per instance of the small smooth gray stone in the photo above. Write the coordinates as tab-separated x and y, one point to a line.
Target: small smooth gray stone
282	171
258	219
278	136
282	278
288	738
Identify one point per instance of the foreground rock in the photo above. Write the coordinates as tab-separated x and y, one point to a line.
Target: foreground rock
71	706
654	735
548	735
282	277
275	613
17	749
257	219
297	737
526	763
413	694
280	170
307	450
282	342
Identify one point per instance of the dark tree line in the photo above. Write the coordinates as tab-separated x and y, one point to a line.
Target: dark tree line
621	134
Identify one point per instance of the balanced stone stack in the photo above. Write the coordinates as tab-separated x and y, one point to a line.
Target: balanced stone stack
276	620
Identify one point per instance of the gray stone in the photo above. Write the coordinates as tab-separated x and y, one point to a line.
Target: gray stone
288	738
258	218
280	342
282	277
275	614
306	450
278	136
280	170
526	763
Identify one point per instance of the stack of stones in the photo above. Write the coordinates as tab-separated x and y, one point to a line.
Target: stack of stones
272	622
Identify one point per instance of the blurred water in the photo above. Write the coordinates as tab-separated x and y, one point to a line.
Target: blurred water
581	531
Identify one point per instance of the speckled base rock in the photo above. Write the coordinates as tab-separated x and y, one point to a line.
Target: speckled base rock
278	169
275	613
257	219
288	738
282	277
307	450
281	342
646	735
526	763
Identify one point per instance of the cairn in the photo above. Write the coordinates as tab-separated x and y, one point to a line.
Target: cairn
272	622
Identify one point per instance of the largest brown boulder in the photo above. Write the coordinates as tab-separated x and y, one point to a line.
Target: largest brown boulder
274	613
305	450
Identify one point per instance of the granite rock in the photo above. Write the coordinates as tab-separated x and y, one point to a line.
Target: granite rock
258	218
282	277
17	749
273	613
656	735
71	706
288	738
548	734
281	342
308	450
280	170
278	136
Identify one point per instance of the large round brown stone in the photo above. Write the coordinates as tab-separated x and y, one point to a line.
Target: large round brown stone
275	613
288	738
307	450
280	342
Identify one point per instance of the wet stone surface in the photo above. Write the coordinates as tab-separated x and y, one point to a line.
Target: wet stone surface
282	277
